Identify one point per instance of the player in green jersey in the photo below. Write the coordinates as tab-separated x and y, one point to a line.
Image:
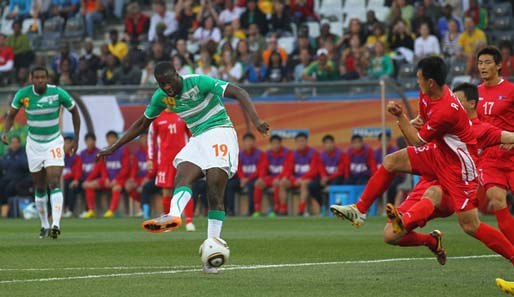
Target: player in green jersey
212	151
45	152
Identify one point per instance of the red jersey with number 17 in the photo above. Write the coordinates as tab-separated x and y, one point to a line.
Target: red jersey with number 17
447	125
496	107
167	135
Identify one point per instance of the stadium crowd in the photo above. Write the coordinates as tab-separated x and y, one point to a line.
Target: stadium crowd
245	40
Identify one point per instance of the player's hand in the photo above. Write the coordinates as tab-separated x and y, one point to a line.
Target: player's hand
276	182
417	122
394	109
74	184
106	152
507	147
262	127
4	138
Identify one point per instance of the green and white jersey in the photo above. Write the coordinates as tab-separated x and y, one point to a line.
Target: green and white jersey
198	104
43	110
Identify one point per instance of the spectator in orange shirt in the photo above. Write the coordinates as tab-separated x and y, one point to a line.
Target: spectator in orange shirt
273	46
92	12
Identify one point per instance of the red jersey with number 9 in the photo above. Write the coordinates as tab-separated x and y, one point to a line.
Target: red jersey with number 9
447	125
496	107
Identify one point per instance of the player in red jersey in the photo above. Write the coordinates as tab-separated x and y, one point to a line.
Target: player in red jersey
167	135
139	173
269	174
445	149
496	106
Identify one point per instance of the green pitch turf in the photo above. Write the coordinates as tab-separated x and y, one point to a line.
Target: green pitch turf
117	258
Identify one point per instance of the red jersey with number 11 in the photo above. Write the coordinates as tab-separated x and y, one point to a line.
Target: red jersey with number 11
167	135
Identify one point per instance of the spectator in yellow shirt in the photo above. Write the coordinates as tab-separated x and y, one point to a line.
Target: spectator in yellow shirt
471	37
117	48
378	35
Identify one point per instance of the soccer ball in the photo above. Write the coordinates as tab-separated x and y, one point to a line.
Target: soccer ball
30	211
214	252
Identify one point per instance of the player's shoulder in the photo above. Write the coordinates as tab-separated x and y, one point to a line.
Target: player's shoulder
25	90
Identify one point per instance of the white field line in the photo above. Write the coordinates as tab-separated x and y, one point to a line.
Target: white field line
235	267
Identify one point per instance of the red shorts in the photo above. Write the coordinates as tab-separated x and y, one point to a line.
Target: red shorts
427	162
165	176
103	184
268	180
444	210
493	173
139	181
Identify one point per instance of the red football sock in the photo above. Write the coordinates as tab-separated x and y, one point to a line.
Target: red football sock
189	211
283	208
166	204
90	198
276	200
301	207
257	199
134	194
418	214
417	239
376	186
496	241
506	223
115	200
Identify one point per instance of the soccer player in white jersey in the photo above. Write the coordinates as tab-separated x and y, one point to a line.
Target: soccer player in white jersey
45	152
213	149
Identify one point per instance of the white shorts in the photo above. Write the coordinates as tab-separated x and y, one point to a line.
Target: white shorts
42	155
215	148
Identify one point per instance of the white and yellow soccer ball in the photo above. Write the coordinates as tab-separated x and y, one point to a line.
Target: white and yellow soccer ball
214	252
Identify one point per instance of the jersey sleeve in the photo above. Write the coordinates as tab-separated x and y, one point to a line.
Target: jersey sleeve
436	126
65	99
489	135
208	84
156	106
19	100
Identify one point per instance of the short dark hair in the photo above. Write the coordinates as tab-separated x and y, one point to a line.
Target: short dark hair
328	137
249	135
470	92
506	44
15	136
113	31
433	68
111	133
90	135
164	68
301	135
67	137
161	2
275	137
388	134
357	137
39	68
492	51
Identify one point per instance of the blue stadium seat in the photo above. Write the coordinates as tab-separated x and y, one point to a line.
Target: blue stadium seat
501	9
502	23
74	28
348	194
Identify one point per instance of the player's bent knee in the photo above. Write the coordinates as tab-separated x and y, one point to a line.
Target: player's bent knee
389	236
469	223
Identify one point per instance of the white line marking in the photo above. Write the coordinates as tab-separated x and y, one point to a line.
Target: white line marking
238	267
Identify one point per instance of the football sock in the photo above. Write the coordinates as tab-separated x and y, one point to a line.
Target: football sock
146	211
417	239
418	214
56	199
90	198
377	185
506	223
276	200
215	223
181	197
41	204
257	199
301	207
166	203
134	194
496	241
283	208
115	200
190	209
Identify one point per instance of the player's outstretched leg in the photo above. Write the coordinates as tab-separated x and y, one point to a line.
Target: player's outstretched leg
56	198
187	173
505	286
41	199
216	182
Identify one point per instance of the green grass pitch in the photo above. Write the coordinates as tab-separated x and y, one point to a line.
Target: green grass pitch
117	258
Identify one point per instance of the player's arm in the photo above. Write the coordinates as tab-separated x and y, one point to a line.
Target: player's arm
507	137
242	96
139	126
340	168
75	118
9	120
313	168
408	130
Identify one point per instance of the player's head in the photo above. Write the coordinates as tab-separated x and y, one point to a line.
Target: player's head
468	96
15	143
68	140
431	74
111	137
275	142
329	142
388	136
143	139
489	63
357	142
248	141
39	79
90	139
300	141
168	78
